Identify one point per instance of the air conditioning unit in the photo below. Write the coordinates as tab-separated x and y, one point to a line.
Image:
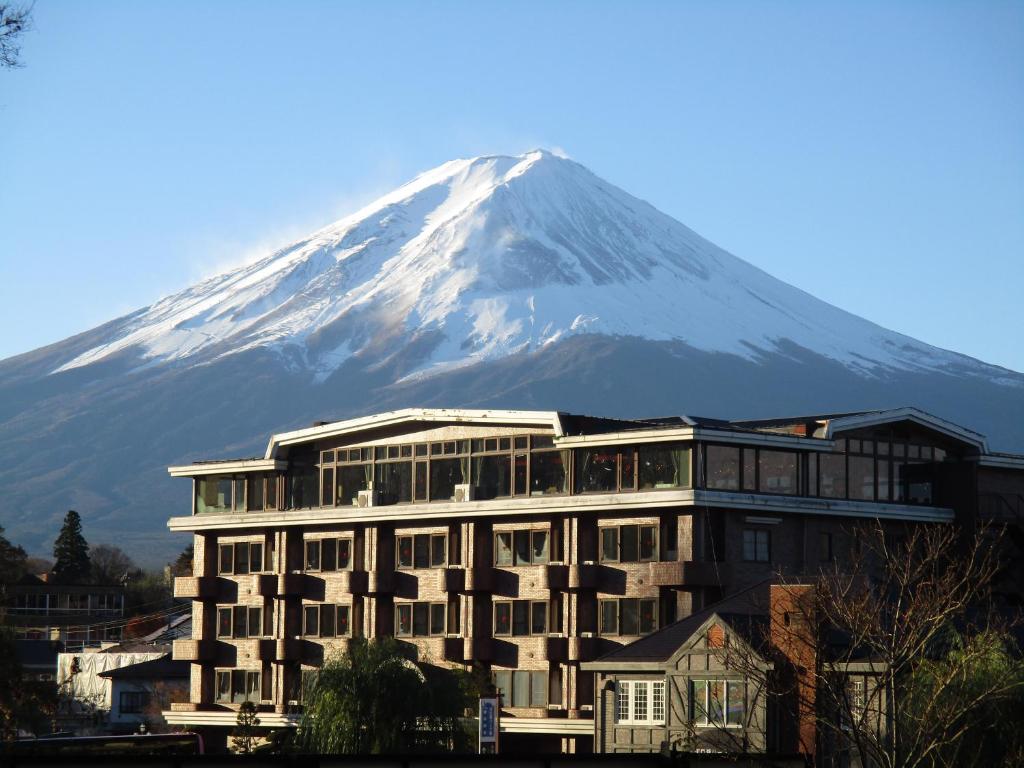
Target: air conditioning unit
366	499
463	492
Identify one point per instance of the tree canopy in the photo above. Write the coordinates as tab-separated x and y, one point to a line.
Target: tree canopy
71	552
12	560
372	700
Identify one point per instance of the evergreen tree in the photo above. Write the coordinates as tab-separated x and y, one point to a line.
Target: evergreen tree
71	552
12	560
244	737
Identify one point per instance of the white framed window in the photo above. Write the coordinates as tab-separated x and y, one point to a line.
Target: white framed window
640	702
718	703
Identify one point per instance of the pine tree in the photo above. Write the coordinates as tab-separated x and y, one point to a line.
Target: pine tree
71	552
244	737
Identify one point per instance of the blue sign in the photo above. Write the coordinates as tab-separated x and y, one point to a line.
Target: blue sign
488	721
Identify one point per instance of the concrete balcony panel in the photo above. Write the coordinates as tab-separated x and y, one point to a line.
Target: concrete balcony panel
354	582
288	649
583	576
193	650
479	578
195	587
477	649
555	649
555	576
582	648
380	582
451	579
291	584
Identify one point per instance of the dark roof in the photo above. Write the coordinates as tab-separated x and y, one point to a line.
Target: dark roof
785	421
137	646
38	653
163	668
746	613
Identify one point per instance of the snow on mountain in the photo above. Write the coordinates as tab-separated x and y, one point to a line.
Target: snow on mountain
495	255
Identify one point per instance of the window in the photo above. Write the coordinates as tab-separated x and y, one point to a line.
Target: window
393	482
548	471
134	702
757	546
718	703
597	470
240	621
520	617
327	620
242	557
832	475
421	619
237	685
492	476
446	473
219	493
722	467
522	688
521	547
254	494
628	616
640	702
422	550
661	466
328	554
861	478
629	543
777	472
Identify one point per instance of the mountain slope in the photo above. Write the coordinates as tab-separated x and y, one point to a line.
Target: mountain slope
498	281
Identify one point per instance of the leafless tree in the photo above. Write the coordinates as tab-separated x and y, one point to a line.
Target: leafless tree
110	564
15	20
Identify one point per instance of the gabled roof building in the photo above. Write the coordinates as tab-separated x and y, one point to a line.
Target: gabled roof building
530	543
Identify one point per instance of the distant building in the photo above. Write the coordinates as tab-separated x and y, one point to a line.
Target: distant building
77	615
530	544
139	692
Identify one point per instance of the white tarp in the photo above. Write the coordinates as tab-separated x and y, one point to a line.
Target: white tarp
86	689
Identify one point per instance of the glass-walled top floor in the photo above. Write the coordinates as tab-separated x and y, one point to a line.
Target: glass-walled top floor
513	466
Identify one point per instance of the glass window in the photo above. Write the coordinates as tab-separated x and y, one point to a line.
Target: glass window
227	558
213	494
242	558
610	545
735	704
403	620
421	551
445	474
538	618
629	543
832	475
255	493
749	469
420	619
640	702
648	542
522	547
328	615
420	481
503	548
329	555
547	472
344	554
756	546
520	617
519	465
777	472
344	620
503	682
492	476
255	626
882	473
311	620
350	479
271	495
223	622
405	552
540	547
303	478
394	482
627	468
256	557
629	616
521	688
723	467
664	466
312	555
538	689
239	500
327	487
596	470
437	616
503	618
861	484
437	550
223	686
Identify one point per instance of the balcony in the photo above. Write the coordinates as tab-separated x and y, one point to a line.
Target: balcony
195	587
435	649
254	650
193	650
582	648
554	649
291	584
262	584
477	649
354	582
582	576
380	582
451	579
479	579
288	649
555	576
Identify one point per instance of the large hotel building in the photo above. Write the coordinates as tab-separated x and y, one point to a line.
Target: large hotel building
530	543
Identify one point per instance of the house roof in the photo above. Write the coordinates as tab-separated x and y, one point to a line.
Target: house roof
745	612
164	668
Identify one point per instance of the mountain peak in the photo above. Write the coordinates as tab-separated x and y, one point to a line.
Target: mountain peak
484	257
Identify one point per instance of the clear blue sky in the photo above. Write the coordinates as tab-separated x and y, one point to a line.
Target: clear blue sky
869	153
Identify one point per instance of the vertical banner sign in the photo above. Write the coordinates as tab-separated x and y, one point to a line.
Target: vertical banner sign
488	741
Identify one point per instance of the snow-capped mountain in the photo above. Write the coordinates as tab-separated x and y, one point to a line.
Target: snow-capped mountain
520	282
493	256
